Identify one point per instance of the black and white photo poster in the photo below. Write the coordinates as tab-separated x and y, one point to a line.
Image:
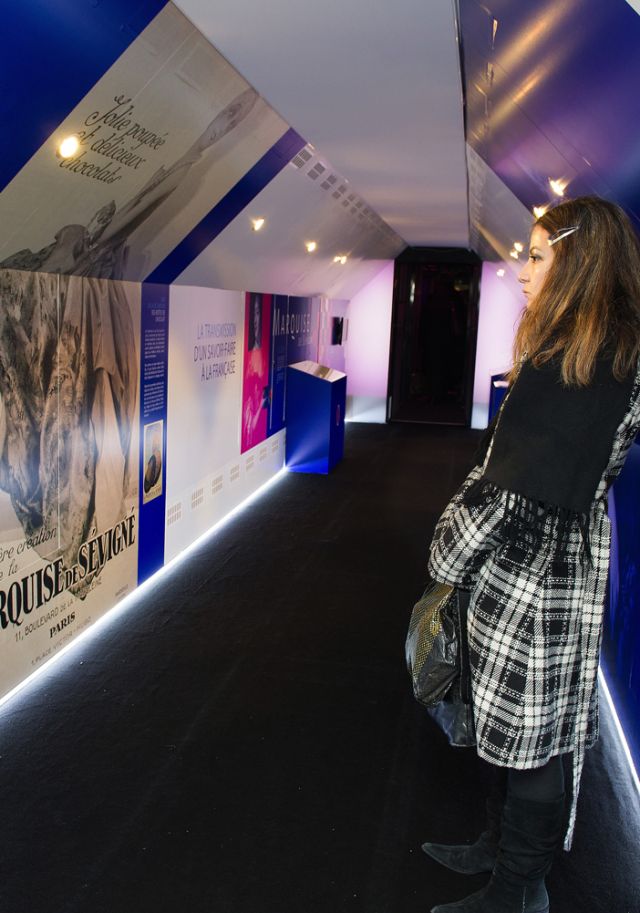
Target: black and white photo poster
68	459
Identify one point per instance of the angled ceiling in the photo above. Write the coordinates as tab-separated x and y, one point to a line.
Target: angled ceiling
375	86
174	153
550	89
370	92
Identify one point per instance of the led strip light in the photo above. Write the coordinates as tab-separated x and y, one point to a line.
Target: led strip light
620	731
129	601
139	593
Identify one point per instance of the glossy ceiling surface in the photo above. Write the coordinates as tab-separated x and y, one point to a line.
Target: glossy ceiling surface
552	93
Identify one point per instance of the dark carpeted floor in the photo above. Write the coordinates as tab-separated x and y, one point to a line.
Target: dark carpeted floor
246	739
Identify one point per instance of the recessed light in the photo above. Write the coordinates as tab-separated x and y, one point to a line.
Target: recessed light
559	185
500	273
514	254
311	246
518	246
68	147
539	211
340	258
257	224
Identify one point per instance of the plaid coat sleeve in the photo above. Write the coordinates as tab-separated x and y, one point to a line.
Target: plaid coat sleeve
466	535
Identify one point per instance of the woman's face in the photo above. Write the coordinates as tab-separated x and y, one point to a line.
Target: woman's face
540	258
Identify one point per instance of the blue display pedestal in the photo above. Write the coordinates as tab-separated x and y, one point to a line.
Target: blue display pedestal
499	387
315	407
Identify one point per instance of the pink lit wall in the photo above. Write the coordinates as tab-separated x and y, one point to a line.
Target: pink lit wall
367	348
501	305
328	354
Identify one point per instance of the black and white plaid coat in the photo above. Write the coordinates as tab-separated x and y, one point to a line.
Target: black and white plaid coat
534	622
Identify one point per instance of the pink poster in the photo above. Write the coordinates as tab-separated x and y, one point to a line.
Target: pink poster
255	382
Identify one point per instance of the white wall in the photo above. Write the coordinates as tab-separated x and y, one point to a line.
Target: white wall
367	348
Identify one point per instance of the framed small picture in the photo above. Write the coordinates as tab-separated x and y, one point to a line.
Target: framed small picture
153	459
337	327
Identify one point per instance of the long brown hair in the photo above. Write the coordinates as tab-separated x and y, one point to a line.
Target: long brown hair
589	304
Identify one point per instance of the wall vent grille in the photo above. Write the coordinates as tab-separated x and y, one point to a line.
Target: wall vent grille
302	158
351	202
316	171
174	513
197	498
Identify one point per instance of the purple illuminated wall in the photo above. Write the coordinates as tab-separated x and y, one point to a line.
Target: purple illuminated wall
367	348
501	304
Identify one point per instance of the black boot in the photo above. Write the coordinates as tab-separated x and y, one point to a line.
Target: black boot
531	832
474	858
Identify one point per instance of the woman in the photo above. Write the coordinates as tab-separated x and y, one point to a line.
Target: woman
527	537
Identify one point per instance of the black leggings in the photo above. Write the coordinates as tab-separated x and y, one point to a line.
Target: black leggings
542	784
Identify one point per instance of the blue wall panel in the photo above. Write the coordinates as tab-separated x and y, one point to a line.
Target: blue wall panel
154	371
621	639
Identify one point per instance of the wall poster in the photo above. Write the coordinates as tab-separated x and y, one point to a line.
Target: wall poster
140	180
69	450
303	327
204	407
278	368
154	355
256	393
294	337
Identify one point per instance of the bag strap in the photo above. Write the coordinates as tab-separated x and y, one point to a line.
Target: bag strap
462	600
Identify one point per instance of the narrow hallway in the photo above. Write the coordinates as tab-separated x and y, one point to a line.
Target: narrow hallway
245	737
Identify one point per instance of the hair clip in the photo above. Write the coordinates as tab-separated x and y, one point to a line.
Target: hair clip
561	233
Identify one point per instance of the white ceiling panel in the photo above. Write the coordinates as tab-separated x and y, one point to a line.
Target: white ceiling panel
375	86
297	208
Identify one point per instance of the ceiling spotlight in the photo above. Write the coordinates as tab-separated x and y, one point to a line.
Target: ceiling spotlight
539	211
311	246
514	254
518	246
558	186
68	147
257	224
340	258
500	273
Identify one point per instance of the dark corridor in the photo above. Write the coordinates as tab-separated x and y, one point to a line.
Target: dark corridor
433	343
245	738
